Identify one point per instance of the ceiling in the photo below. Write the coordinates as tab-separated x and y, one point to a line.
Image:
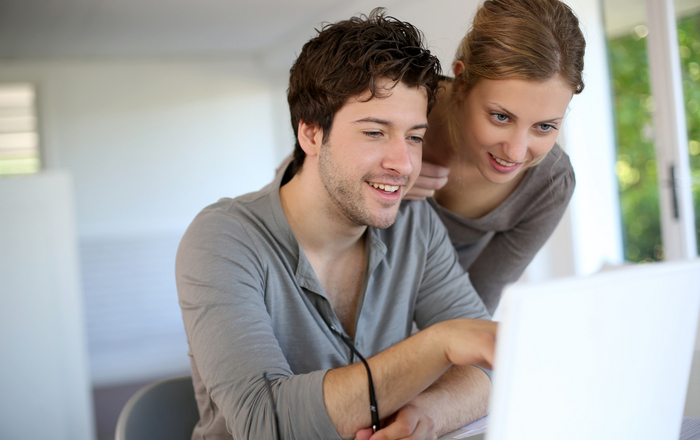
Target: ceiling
40	29
31	29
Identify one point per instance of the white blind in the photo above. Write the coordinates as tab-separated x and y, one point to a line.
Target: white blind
19	141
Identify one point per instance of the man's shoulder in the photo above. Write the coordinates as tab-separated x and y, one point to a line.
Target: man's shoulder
243	217
415	212
415	219
245	206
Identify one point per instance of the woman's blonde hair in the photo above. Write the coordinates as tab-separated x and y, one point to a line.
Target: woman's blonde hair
532	40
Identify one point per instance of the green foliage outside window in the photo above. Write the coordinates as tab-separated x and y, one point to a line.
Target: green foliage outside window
636	166
689	44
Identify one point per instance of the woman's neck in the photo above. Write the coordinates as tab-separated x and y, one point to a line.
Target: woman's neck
468	194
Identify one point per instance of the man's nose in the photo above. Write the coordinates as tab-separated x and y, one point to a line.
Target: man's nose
398	157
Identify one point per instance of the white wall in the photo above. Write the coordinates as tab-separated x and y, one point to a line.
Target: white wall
148	144
43	351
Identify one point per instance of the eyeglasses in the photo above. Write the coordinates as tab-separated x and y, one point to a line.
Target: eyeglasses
374	410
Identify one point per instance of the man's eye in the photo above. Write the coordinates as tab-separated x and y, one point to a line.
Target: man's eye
373	134
416	139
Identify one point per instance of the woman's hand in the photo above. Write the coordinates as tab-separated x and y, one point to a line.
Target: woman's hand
432	178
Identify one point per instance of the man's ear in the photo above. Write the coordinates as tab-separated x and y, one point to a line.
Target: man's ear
310	138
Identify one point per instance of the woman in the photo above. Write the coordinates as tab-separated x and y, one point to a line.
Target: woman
494	129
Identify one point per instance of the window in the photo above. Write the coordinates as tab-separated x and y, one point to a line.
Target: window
19	142
648	160
689	49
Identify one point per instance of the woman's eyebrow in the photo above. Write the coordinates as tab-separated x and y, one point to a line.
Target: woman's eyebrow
500	108
513	116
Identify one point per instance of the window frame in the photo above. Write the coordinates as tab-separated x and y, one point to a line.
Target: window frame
678	234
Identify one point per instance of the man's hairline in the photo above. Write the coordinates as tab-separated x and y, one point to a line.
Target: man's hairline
376	96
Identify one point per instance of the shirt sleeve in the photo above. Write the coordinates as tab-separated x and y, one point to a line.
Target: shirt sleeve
446	291
221	282
508	253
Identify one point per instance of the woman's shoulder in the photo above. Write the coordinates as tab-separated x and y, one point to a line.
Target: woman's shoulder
555	171
558	161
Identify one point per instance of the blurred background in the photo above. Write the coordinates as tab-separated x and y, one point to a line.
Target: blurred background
120	120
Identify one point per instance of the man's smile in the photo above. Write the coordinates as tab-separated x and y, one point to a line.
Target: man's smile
384	187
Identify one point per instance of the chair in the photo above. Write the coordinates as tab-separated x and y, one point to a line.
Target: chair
163	410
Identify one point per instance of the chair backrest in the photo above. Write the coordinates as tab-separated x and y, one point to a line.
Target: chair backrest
163	410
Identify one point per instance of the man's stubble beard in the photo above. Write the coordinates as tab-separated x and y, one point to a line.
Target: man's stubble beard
340	189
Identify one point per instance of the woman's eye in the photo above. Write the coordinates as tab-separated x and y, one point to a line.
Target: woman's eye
416	139
547	127
500	117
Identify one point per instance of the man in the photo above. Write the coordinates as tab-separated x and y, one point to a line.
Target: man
272	281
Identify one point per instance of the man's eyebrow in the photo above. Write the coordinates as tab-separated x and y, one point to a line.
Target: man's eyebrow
388	123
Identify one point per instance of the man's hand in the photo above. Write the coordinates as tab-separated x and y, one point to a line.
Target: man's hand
470	341
432	178
408	423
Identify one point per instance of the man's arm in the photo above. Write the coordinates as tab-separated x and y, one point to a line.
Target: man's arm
402	374
458	397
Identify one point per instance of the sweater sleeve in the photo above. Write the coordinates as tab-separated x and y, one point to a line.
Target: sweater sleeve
508	253
222	283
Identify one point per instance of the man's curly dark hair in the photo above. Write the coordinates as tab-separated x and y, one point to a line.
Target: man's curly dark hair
346	59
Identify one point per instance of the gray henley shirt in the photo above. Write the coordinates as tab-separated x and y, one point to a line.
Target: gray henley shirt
251	303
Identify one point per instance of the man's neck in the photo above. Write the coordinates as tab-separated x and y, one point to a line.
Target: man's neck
334	246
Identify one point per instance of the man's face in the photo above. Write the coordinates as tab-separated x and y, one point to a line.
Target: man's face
373	155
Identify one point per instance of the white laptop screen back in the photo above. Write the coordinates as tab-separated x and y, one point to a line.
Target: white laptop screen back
603	357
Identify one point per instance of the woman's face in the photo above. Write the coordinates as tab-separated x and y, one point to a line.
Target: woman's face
510	124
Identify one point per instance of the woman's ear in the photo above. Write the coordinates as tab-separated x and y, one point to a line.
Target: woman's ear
459	68
310	138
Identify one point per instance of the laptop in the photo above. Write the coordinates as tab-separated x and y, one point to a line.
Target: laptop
601	357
